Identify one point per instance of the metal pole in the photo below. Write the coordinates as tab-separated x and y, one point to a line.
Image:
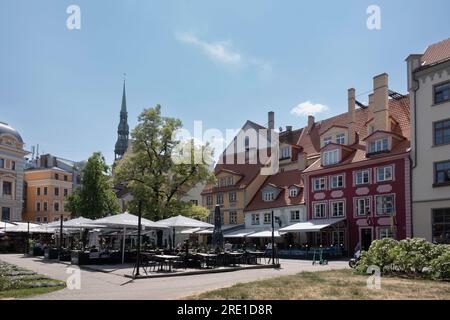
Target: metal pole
173	239
28	238
273	239
138	254
60	236
123	245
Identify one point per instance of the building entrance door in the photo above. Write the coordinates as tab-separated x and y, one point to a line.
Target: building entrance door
366	238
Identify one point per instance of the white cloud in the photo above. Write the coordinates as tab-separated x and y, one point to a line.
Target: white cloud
308	108
220	51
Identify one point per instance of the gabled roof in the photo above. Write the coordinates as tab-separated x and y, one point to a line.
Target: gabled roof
282	180
436	53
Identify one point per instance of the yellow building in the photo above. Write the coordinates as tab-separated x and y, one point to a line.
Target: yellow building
46	194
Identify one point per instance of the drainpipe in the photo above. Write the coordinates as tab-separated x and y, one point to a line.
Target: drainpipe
413	162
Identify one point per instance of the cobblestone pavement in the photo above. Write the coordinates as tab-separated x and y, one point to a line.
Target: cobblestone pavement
100	285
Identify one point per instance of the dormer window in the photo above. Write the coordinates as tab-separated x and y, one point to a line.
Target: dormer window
230	181
293	192
340	138
285	153
379	145
330	157
269	196
327	140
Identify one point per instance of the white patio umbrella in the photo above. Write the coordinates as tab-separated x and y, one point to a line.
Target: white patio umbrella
183	222
22	227
127	221
5	225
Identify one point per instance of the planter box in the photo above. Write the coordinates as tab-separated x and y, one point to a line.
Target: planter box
51	253
79	258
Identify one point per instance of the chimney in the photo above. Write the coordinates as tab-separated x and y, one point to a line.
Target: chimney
311	121
271	120
380	102
289	128
351	116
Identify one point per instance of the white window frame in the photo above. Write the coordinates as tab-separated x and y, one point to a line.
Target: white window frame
218	197
267	218
362	172
232	217
391	167
327	140
269	196
294	215
293	192
285	152
209	200
393	205
336	176
389	234
367	207
332	203
379	145
255	219
327	160
340	139
232	197
324	183
324	204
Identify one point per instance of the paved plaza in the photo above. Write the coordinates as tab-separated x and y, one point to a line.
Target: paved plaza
111	284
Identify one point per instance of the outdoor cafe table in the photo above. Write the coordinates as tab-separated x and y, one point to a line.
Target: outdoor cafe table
169	258
206	256
257	254
233	257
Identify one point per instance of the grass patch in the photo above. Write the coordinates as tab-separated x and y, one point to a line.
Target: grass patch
331	285
16	282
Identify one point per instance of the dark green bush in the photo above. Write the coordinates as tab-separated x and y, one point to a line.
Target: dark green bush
379	254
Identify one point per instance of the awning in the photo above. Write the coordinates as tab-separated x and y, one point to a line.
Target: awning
190	231
242	233
264	234
314	225
184	222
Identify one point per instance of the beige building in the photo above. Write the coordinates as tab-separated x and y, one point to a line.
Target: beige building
429	89
12	163
47	191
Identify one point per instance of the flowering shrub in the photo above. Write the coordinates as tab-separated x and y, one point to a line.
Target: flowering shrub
380	254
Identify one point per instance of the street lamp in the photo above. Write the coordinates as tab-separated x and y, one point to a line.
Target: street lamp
138	253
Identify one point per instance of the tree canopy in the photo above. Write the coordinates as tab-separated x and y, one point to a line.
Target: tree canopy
160	169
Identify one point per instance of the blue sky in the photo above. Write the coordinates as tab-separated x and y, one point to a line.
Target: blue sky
221	62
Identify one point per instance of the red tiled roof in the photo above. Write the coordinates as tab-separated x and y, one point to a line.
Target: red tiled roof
248	172
437	52
282	180
398	110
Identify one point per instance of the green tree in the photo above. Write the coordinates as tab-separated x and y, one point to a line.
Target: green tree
95	198
160	168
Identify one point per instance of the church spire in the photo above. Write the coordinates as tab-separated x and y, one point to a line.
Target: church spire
123	129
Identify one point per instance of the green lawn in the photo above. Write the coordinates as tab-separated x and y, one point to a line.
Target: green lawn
16	282
329	285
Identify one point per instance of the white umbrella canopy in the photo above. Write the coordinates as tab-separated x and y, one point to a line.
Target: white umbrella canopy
184	222
4	224
126	220
22	227
77	223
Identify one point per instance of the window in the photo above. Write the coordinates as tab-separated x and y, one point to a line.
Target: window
38	219
56	191
209	200
45	206
56	206
65	178
6	214
327	140
13	165
222	182
38	191
230	181
269	196
337	209
385	205
442	173
319	184
362	207
442	93
45	191
330	157
386	233
442	132
293	192
194	202
267	218
362	177
286	153
7	188
319	210
56	176
441	225
38	206
56	219
340	138
2	163
384	174
233	217
379	145
232	197
219	199
337	181
45	219
66	192
255	219
338	238
295	215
